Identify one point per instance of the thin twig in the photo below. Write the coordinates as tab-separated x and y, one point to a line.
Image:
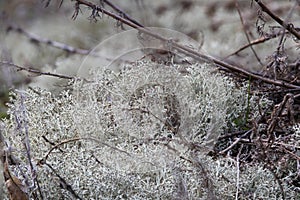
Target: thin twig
251	43
63	183
125	15
35	71
288	26
78	139
51	143
281	41
235	142
277	144
58	45
246	34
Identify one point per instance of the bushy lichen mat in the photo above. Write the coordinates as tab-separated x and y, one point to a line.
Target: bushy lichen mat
142	133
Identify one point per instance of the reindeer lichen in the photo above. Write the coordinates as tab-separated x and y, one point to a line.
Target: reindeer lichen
142	133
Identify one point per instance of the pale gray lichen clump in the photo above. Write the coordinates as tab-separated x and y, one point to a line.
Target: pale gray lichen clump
133	134
141	96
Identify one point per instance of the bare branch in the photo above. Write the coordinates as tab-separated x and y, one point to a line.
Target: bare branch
58	45
125	15
35	71
290	27
251	43
43	160
188	51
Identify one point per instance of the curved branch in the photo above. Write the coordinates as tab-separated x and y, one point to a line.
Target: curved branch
188	51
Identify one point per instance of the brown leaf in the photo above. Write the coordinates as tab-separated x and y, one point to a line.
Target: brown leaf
16	189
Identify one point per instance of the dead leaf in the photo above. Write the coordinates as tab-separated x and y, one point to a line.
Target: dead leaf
16	189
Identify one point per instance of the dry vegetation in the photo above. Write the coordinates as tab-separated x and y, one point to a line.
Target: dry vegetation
97	105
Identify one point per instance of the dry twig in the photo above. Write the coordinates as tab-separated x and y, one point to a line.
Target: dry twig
290	27
37	39
246	34
43	160
35	71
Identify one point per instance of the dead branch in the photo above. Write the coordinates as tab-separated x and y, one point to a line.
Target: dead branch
187	51
124	14
37	39
251	43
35	71
43	160
289	26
